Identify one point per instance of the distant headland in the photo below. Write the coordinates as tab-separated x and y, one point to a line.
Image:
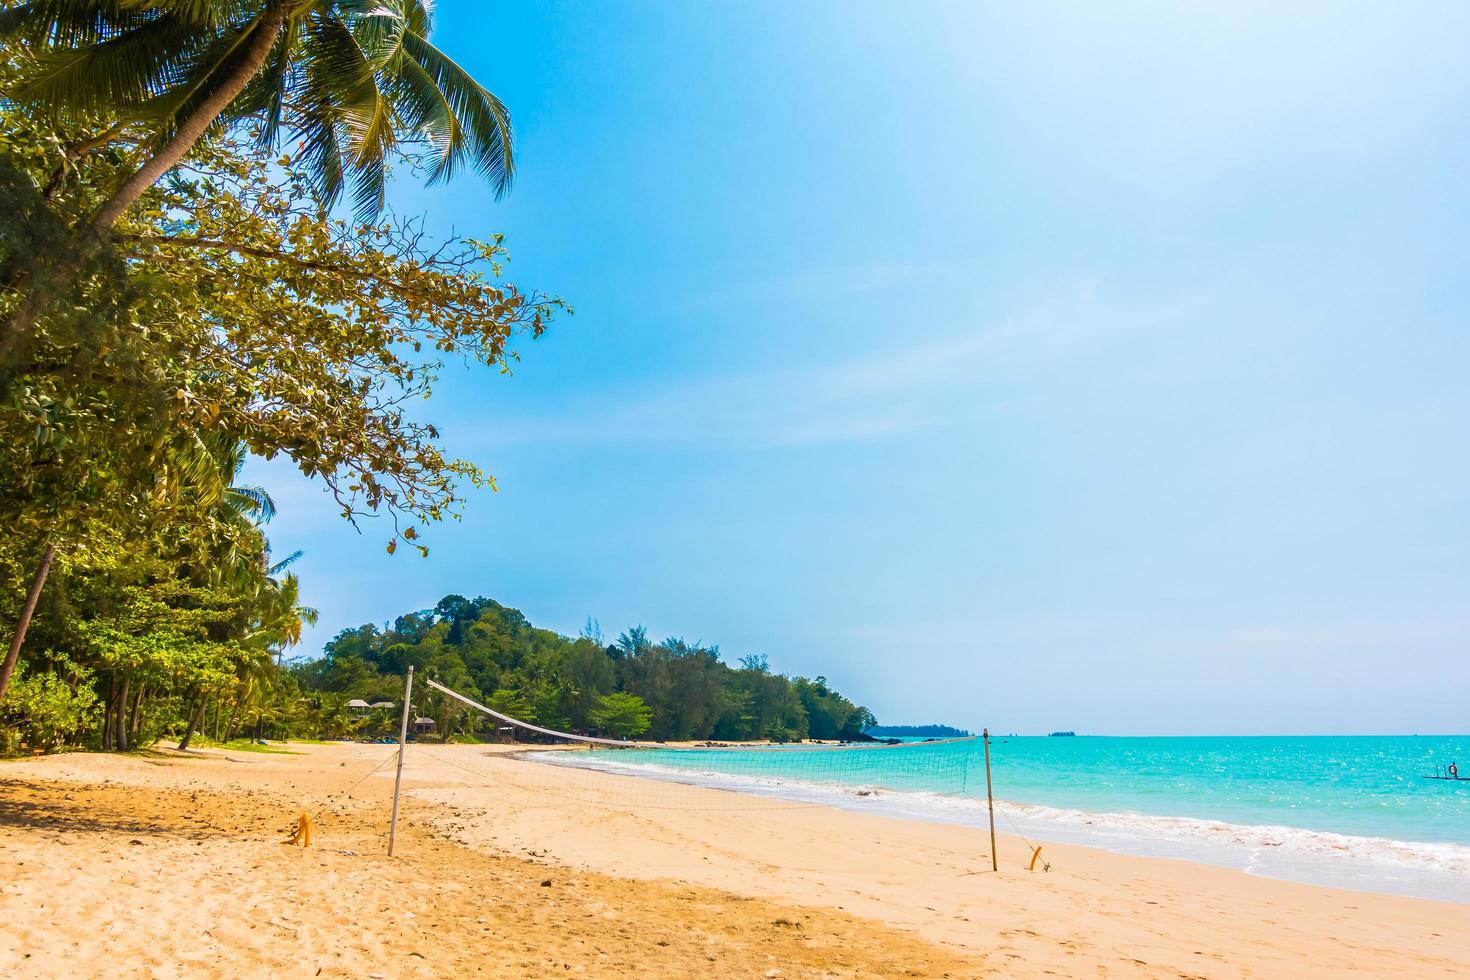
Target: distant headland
916	731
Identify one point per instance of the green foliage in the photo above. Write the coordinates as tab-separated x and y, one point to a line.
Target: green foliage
672	690
245	745
47	710
622	715
325	324
512	703
149	631
230	308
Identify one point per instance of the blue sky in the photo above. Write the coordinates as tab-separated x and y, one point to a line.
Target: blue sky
1032	366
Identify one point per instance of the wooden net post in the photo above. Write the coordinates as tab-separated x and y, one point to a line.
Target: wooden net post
989	800
402	744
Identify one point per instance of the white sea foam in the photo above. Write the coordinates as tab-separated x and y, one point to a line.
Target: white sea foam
1428	870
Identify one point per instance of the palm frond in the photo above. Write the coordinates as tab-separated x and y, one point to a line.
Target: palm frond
369	123
315	128
349	79
377	31
200	13
121	72
285	563
485	119
419	14
68	23
426	110
362	117
252	502
232	455
192	81
189	468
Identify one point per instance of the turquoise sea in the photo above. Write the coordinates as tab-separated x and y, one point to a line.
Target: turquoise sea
1351	811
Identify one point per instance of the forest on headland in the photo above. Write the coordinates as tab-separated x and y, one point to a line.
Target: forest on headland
633	686
918	731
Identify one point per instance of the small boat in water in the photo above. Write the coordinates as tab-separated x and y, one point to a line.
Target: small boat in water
1450	773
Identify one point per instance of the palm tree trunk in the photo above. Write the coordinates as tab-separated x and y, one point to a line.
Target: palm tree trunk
234	713
135	718
17	333
22	624
121	741
107	714
263	34
193	720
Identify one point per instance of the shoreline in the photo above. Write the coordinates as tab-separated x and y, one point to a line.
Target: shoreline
935	878
1377	865
923	893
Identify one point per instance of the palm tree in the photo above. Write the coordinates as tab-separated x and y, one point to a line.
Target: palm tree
276	621
270	616
348	80
281	617
239	511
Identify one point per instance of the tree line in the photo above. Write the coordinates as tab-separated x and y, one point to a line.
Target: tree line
632	687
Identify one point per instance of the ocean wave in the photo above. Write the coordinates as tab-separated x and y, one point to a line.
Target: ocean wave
1408	855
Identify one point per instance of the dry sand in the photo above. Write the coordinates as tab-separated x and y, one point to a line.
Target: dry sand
162	865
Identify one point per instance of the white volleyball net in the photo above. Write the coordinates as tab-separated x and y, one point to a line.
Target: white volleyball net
931	779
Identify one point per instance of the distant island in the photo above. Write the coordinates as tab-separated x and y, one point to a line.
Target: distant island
1063	735
916	731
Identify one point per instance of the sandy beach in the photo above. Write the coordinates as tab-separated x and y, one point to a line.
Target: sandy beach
162	865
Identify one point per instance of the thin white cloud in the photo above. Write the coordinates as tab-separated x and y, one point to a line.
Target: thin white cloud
914	388
826	403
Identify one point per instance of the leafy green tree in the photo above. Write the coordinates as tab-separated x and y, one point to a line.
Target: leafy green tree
829	714
185	614
48	709
309	347
699	681
513	703
588	674
632	642
645	672
622	715
450	714
314	342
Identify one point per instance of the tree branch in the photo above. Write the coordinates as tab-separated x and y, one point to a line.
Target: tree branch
194	241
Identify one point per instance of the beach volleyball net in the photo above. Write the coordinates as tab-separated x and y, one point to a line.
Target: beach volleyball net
930	779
